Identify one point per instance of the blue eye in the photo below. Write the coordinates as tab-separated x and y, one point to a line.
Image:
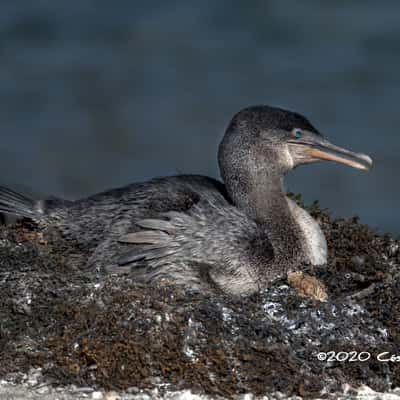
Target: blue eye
298	134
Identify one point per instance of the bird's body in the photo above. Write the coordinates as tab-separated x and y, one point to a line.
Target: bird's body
194	230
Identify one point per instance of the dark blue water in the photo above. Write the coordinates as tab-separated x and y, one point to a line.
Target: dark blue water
97	94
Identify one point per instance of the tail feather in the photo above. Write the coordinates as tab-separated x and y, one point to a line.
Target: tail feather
12	202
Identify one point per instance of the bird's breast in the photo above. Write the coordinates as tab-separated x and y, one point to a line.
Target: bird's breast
315	247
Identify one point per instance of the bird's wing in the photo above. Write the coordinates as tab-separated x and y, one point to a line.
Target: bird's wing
156	240
223	241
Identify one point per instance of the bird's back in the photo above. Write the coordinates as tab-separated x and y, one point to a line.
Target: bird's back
114	211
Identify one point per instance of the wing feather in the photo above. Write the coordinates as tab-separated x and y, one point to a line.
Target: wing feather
149	237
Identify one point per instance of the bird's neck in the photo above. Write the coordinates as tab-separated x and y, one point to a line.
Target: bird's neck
265	202
261	198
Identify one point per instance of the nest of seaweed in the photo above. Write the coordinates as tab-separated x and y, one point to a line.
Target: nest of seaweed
107	331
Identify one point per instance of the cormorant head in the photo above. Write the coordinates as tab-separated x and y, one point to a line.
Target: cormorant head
264	140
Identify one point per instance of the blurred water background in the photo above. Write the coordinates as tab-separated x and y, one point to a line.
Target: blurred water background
96	94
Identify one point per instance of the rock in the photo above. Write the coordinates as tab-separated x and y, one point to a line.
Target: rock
112	396
43	390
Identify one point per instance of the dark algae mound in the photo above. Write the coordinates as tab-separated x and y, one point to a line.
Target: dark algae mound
106	331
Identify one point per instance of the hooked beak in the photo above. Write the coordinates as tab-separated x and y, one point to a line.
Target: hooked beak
317	148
